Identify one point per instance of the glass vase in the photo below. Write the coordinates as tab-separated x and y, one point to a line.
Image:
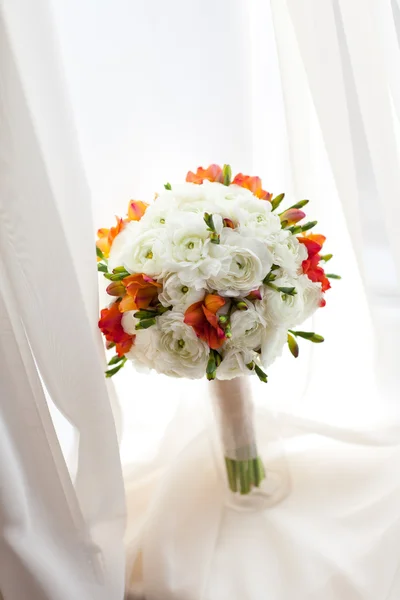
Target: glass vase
247	448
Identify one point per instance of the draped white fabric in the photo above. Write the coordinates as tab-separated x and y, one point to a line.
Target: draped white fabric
306	95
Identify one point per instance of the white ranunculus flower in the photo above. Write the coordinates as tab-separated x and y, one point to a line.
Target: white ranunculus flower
280	310
289	253
145	252
177	294
145	350
188	197
182	353
191	254
129	322
287	311
312	295
247	328
234	363
246	263
258	221
274	340
123	240
159	214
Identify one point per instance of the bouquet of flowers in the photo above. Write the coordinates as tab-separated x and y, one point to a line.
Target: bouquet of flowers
211	279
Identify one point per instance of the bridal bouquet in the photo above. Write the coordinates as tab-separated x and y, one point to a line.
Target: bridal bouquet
210	279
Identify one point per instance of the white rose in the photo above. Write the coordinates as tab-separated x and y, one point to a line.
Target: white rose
289	253
246	263
182	353
191	254
177	294
234	364
145	252
247	328
274	340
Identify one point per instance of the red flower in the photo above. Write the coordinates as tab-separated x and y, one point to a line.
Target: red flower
202	316
213	173
311	268
111	327
253	184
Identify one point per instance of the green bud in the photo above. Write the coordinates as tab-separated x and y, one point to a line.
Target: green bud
260	373
242	305
277	200
211	365
223	318
145	323
214	238
251	365
309	225
163	309
218	358
120	270
116	276
227	174
167	186
326	257
293	345
308	335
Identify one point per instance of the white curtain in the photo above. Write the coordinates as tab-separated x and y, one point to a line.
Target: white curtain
306	95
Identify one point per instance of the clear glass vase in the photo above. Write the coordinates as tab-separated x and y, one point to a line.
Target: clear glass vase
248	449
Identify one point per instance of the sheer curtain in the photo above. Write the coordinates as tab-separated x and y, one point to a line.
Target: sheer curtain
305	94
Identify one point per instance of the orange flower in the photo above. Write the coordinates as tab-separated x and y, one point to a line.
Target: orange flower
213	173
111	327
311	268
107	236
253	184
141	292
136	210
202	316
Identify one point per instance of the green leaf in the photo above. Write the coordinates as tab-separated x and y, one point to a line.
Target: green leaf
114	371
102	268
333	276
227	174
145	323
208	219
308	335
99	253
168	186
260	373
116	359
290	291
293	345
144	314
326	257
277	200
